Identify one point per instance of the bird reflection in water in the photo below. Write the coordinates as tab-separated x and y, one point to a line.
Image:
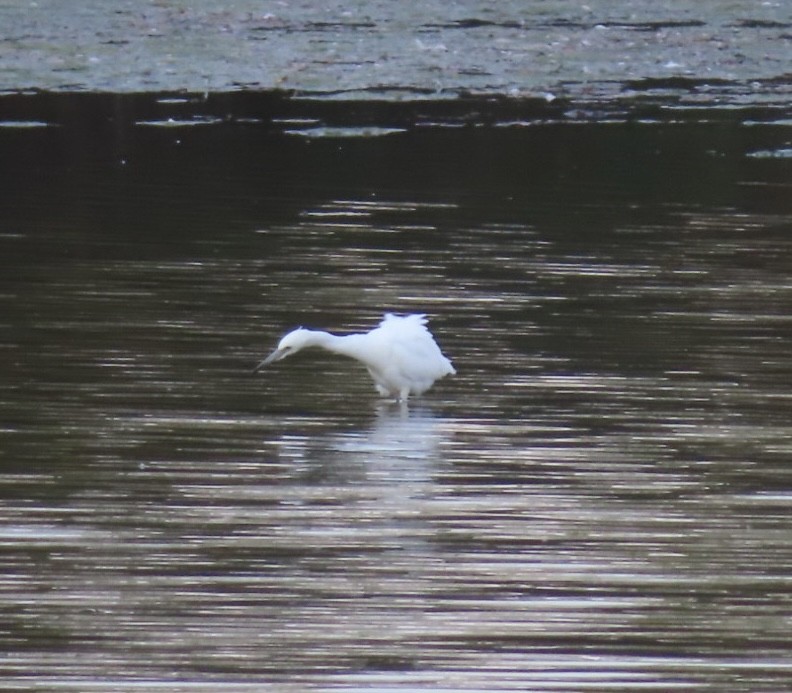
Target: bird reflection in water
400	446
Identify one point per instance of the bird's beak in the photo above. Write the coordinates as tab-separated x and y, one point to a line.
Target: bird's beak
276	355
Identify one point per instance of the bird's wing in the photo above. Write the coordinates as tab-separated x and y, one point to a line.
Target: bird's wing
412	349
405	324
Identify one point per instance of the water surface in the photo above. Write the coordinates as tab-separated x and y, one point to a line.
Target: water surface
598	500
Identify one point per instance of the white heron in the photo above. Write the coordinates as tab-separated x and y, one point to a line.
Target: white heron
400	353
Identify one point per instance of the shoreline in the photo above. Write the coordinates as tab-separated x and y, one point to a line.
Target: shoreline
709	56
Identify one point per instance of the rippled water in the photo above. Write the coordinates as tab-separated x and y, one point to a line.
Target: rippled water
600	499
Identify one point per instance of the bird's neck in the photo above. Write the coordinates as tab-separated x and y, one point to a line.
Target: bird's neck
347	345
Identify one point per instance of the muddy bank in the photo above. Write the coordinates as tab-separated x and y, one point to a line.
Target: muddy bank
714	53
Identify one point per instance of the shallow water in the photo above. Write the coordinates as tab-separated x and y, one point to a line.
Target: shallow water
598	500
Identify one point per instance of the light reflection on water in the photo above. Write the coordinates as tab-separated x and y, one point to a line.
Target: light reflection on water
599	499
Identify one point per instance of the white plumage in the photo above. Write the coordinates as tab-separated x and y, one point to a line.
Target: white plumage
400	353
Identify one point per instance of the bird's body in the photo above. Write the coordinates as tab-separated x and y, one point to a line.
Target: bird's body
400	353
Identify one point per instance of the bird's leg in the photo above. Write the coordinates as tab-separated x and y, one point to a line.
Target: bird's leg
383	391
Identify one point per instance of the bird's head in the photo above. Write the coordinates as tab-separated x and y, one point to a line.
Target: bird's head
290	344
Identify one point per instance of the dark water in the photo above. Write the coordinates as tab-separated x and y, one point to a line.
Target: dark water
599	500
